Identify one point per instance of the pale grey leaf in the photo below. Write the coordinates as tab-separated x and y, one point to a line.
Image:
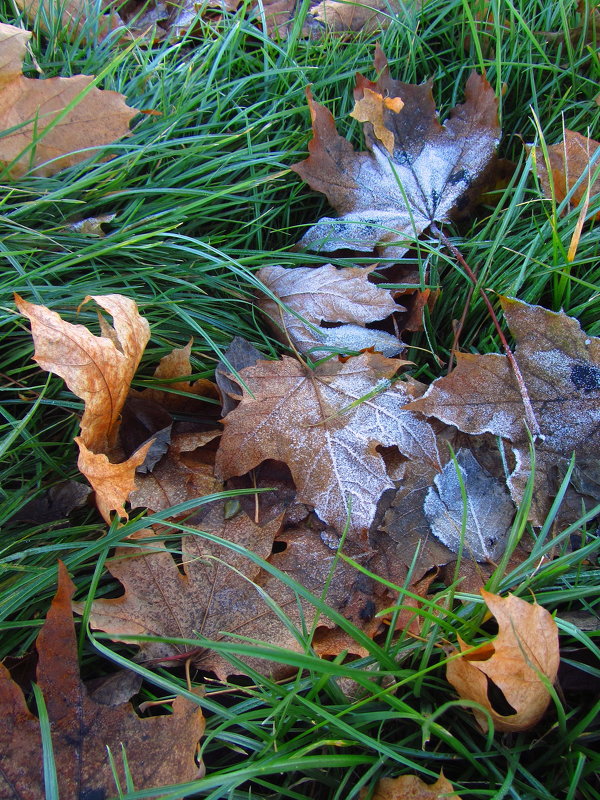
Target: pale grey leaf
489	509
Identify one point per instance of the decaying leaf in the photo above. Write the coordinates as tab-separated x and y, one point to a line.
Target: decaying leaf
92	226
366	16
520	661
222	592
385	200
160	750
561	369
327	295
411	787
325	424
71	15
46	139
573	165
99	370
486	510
179	395
238	355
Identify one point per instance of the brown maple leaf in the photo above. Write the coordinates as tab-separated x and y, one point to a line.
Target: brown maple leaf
99	370
47	137
327	295
160	750
561	369
385	200
520	661
326	424
572	169
222	591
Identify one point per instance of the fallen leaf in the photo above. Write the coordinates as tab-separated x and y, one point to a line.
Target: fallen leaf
366	16
481	520
72	15
178	476
327	295
561	368
55	503
238	355
180	395
218	592
160	750
99	370
520	661
112	482
371	108
92	226
325	424
384	200
411	787
46	138
570	162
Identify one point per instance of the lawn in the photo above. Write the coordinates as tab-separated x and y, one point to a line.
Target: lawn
203	197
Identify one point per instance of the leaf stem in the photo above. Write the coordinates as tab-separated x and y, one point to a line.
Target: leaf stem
529	412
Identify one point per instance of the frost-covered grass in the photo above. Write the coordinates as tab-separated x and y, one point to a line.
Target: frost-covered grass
203	197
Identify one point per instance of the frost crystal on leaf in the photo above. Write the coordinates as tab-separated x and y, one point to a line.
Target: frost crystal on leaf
489	509
387	196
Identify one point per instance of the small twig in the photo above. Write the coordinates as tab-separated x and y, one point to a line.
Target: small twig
529	412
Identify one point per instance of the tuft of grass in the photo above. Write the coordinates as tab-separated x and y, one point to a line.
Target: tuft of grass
203	197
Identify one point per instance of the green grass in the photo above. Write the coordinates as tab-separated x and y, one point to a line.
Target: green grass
203	197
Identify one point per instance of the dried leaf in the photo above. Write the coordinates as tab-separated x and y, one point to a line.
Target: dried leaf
239	354
160	750
370	108
43	142
179	396
561	369
326	294
367	16
487	509
325	425
434	170
70	14
411	787
519	661
98	369
112	483
574	160
92	226
223	592
55	503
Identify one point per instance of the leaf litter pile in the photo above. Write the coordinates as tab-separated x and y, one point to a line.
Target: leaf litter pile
350	479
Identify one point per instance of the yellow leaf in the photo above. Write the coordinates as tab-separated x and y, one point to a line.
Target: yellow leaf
370	108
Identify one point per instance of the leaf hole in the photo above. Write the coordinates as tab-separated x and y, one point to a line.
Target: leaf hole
497	699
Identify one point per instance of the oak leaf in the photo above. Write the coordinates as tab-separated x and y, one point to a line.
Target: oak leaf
99	370
385	200
325	424
573	166
160	750
520	661
411	787
48	138
560	365
328	295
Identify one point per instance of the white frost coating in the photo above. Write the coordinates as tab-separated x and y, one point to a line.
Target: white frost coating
326	294
489	509
385	188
